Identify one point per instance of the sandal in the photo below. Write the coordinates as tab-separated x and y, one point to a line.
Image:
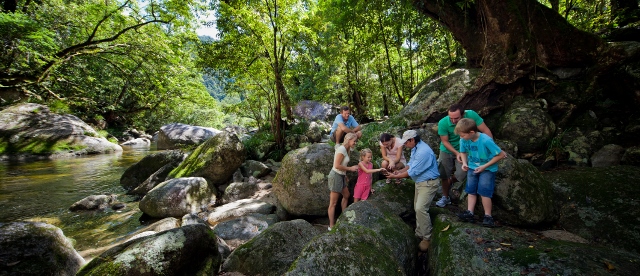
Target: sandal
388	181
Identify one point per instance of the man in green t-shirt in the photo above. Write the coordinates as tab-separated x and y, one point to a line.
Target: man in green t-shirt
449	157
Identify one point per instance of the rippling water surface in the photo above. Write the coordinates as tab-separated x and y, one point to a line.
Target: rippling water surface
44	190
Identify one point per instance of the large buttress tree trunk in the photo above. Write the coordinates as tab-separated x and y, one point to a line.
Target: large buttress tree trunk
508	39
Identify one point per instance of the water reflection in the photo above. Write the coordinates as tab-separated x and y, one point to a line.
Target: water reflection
44	190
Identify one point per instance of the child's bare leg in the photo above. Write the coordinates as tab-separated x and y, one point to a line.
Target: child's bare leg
471	202
486	204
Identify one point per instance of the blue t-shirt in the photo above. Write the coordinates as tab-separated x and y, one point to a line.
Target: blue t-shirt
480	152
350	123
423	164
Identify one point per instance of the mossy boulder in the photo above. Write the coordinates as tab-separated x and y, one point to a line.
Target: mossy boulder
216	160
238	231
527	124
238	190
368	238
188	250
398	198
600	204
397	235
178	197
175	135
94	202
631	156
273	251
254	168
137	173
521	196
581	145
609	155
301	183
32	130
468	249
35	248
295	141
154	180
435	95
315	131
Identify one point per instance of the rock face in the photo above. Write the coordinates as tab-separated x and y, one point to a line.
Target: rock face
600	204
397	198
34	248
178	197
507	251
216	160
527	124
312	110
609	155
188	250
172	135
33	130
365	241
148	165
301	183
272	251
93	202
522	196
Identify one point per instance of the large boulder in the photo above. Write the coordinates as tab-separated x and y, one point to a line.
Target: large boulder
178	197
600	204
254	168
522	196
33	130
295	141
238	209
154	179
301	182
174	135
435	95
239	190
467	249
581	145
397	198
631	156
35	248
216	160
137	143
147	166
273	250
315	131
383	246
188	250
312	110
527	124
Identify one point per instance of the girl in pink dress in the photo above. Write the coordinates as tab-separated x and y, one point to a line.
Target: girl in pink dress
365	169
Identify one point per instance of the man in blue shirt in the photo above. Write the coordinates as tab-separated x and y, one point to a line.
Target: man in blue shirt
343	124
423	169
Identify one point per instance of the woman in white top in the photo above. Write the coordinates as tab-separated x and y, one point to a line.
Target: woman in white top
338	176
391	150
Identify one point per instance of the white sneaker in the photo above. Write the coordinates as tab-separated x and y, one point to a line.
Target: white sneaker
328	228
443	201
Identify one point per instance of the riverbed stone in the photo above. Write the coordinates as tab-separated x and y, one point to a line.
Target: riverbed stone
513	251
147	166
137	143
215	160
154	179
94	202
178	197
238	231
527	124
36	248
175	135
600	204
301	182
609	155
254	168
521	197
238	190
273	250
32	130
188	250
238	209
631	156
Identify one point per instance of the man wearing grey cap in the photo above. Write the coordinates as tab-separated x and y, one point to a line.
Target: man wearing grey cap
423	169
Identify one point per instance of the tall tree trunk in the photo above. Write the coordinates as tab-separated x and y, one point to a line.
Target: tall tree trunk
383	37
508	39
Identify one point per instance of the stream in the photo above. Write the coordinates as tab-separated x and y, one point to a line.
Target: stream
44	190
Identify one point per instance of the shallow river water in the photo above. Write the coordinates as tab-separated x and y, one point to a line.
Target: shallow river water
44	190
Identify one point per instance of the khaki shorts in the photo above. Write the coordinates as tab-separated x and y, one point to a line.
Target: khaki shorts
446	164
336	182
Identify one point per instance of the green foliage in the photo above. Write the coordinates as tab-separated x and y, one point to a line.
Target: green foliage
60	107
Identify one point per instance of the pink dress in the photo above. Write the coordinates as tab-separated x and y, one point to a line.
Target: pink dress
363	186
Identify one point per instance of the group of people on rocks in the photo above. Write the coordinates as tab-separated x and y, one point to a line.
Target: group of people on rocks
467	151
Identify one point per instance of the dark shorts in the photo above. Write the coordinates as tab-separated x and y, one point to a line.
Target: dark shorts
336	182
333	137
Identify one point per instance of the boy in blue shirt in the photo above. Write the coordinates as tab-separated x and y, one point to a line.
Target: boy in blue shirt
480	156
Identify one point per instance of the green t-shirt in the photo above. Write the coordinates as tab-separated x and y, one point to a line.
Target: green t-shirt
446	128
